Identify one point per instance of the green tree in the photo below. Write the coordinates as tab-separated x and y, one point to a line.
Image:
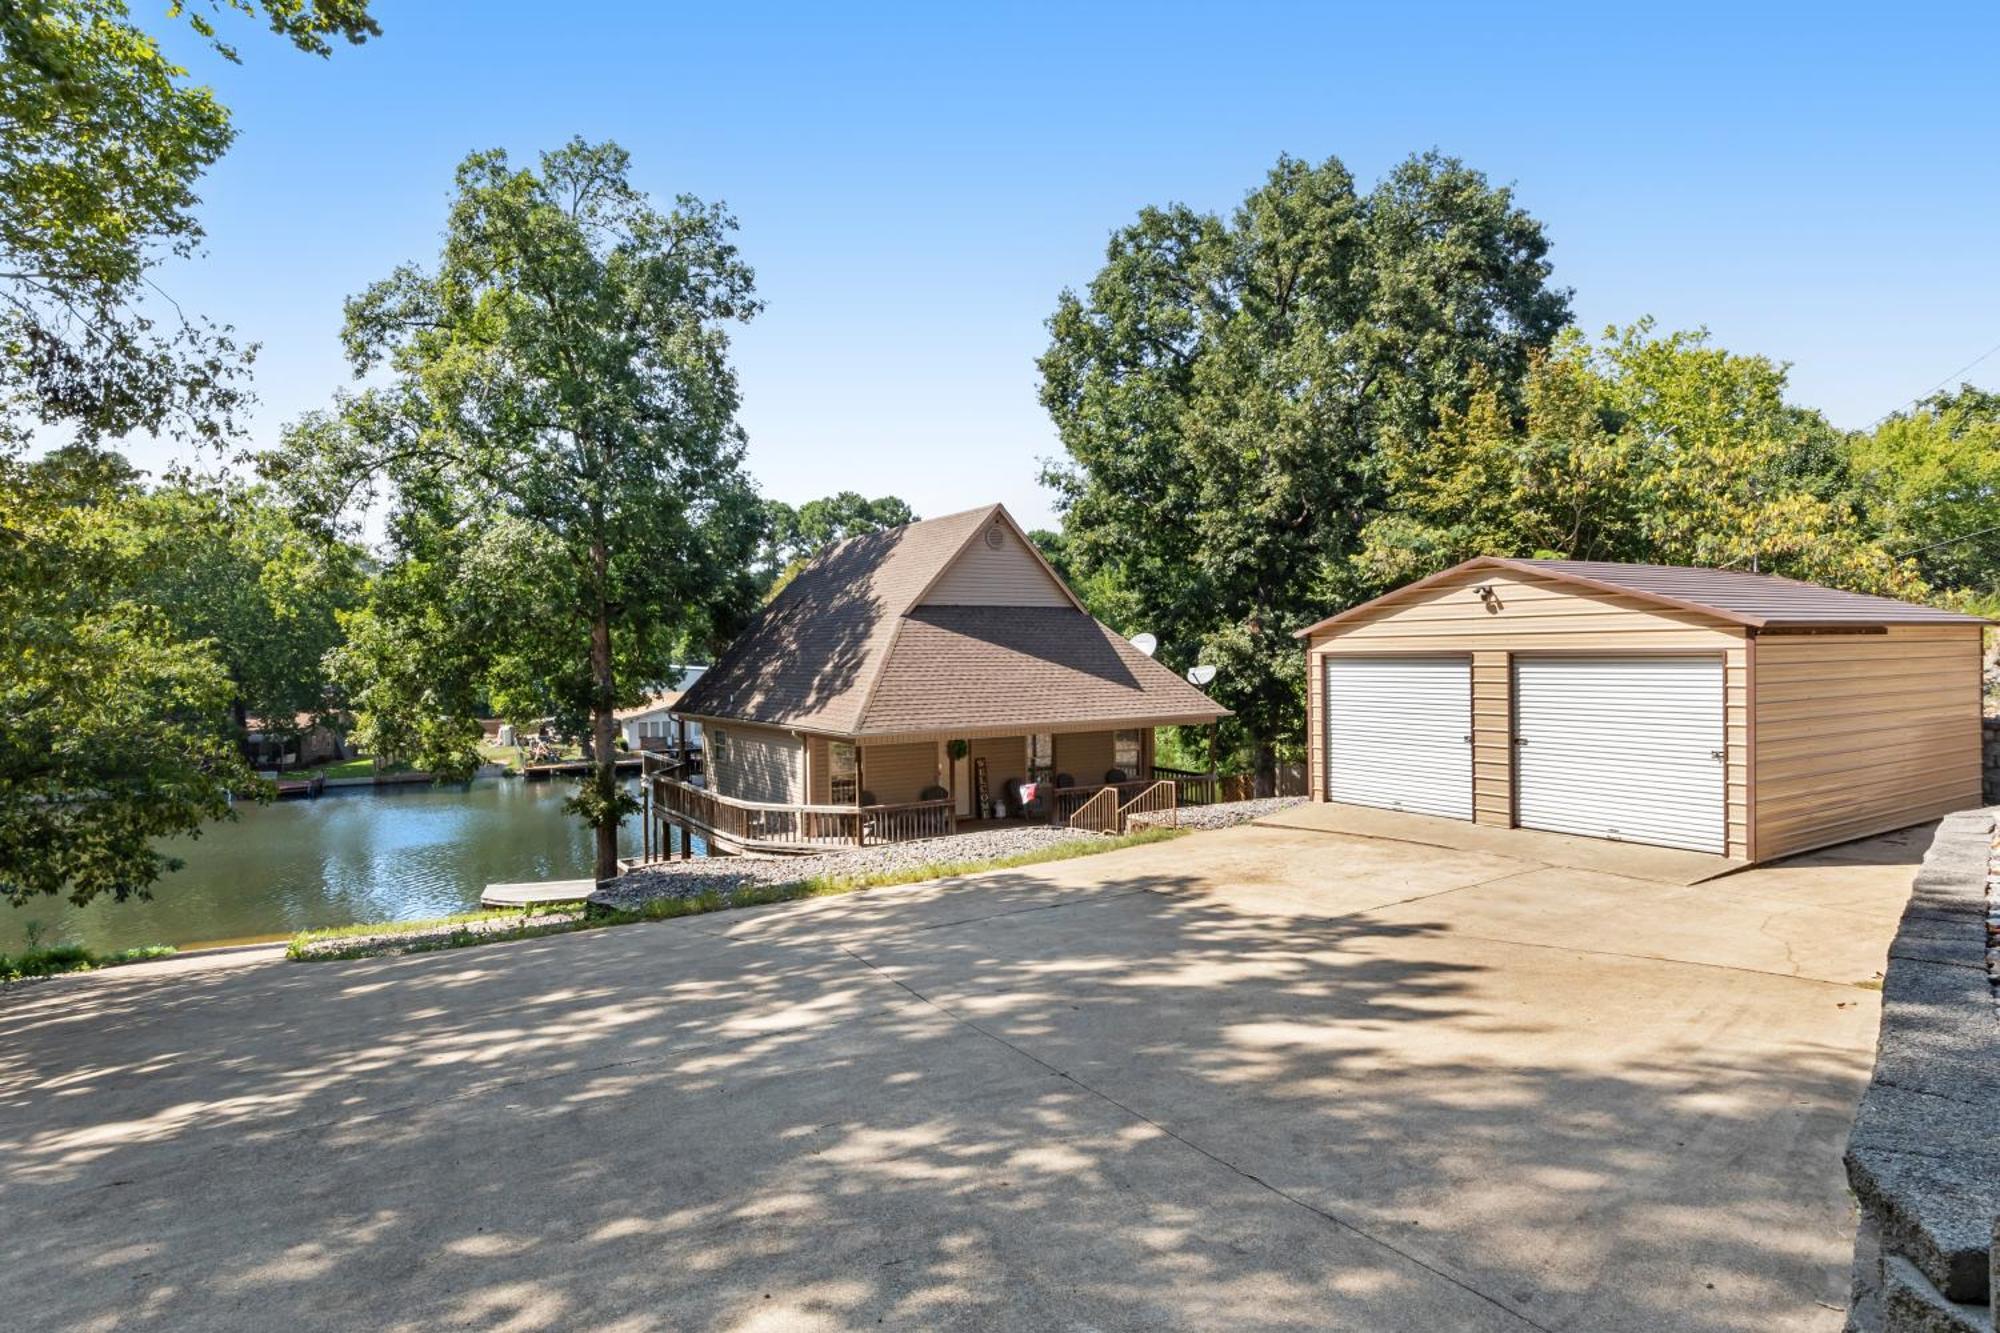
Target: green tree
1660	449
1931	482
118	714
102	140
117	722
557	429
236	569
793	536
1099	587
1222	386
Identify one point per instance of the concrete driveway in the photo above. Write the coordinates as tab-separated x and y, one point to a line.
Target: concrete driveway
1265	1077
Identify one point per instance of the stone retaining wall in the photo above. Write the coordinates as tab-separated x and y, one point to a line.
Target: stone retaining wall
1924	1155
1991	735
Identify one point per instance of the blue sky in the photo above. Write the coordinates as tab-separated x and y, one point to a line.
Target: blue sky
916	185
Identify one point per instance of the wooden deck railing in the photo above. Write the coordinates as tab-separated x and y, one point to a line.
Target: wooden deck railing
1098	813
766	825
1160	799
1066	801
909	822
777	826
1191	788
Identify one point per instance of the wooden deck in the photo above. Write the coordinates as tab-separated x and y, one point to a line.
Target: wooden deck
731	826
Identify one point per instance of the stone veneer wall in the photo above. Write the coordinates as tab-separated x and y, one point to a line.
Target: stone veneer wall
1924	1155
1991	772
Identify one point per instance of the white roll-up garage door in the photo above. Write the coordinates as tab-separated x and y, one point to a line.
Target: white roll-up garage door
1621	747
1399	733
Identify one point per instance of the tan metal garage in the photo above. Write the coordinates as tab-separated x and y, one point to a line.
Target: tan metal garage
1714	710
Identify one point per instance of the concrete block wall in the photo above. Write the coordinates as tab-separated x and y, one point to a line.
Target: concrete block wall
1924	1154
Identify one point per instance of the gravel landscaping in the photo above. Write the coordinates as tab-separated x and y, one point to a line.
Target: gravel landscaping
688	879
1223	816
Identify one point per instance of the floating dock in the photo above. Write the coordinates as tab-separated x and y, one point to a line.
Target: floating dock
537	893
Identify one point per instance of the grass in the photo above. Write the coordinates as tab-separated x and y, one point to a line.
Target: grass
60	958
455	932
347	768
493	752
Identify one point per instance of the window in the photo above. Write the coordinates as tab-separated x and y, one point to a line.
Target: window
843	772
1041	757
1125	751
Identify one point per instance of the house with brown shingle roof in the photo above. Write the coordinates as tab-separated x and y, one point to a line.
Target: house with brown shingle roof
941	664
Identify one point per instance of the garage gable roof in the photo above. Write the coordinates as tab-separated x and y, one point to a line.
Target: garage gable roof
1756	601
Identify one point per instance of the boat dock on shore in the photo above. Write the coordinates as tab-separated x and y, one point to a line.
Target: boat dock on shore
537	893
575	768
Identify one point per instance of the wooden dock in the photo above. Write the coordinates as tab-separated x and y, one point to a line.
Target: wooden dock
537	893
576	768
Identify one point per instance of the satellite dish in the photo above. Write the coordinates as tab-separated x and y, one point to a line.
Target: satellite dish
1145	643
1200	675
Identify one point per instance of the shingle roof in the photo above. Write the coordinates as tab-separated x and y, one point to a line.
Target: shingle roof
1035	667
1759	601
845	649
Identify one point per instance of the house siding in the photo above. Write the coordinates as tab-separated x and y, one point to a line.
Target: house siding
757	764
1010	575
1492	739
819	771
1005	756
1859	734
1085	755
1534	615
895	774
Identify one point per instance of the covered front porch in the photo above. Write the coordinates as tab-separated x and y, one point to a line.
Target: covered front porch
860	792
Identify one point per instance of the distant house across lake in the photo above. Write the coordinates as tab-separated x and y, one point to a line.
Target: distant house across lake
302	745
650	725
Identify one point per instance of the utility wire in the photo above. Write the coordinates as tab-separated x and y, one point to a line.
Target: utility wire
1970	365
1963	536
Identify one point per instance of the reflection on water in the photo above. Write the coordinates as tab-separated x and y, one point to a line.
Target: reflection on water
362	854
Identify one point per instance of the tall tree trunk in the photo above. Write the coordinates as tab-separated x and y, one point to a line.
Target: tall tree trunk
1267	769
604	697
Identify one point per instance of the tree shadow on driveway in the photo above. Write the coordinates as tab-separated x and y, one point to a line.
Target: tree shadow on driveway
1003	1103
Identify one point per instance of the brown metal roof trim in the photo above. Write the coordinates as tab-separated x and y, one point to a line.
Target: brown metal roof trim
1755	601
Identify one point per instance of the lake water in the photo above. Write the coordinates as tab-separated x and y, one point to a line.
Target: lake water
358	854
